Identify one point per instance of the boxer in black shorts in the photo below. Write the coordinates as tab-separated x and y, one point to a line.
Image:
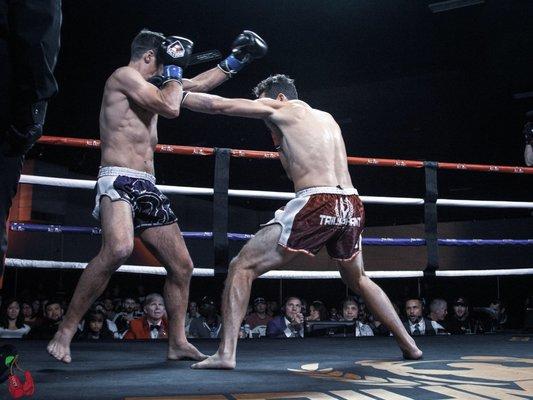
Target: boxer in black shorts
127	199
326	213
149	207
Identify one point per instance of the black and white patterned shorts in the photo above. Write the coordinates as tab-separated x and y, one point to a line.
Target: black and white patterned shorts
149	206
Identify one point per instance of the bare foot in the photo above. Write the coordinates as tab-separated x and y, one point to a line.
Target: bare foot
59	346
185	351
215	362
412	354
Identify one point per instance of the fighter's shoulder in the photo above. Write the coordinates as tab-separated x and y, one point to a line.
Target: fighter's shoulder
123	75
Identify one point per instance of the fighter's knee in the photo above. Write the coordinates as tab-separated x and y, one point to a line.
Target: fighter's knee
182	269
240	265
119	252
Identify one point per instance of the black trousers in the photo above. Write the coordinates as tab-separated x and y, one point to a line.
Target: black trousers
29	45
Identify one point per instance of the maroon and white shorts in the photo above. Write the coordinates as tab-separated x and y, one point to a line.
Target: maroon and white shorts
322	216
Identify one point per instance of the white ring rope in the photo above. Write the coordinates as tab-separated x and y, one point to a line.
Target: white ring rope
88	184
209	272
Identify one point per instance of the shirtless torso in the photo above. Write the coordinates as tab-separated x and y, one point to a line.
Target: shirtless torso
329	215
128	132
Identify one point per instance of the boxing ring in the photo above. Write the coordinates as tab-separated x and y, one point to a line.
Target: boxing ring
462	367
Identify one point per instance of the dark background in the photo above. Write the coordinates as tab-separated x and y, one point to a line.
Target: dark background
401	81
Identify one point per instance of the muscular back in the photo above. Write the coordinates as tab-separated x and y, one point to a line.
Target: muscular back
311	147
127	131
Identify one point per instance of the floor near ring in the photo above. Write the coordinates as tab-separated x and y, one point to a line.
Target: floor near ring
453	367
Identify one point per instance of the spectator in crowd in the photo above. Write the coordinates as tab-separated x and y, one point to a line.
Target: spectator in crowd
528	135
36	308
95	327
209	323
259	317
192	312
438	310
53	315
350	312
12	320
153	323
461	322
334	314
27	312
291	323
318	311
272	308
109	308
416	323
122	319
498	315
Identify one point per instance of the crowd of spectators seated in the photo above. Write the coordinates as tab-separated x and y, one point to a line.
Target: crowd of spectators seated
145	318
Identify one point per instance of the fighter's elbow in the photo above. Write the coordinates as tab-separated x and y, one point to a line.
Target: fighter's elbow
170	112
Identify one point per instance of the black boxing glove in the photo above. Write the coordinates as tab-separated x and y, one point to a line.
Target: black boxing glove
175	50
247	47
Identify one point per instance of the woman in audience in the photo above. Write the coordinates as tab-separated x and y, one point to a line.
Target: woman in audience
95	327
30	317
12	321
317	311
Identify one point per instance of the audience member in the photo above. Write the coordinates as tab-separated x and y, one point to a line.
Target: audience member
209	323
438	309
350	312
12	320
109	308
259	318
291	323
460	321
27	312
153	323
334	314
95	327
416	324
272	308
498	315
122	319
47	327
318	311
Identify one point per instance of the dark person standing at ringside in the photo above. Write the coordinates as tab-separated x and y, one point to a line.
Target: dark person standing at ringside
127	198
29	45
326	213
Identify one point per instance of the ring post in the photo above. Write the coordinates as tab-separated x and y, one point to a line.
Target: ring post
220	211
430	217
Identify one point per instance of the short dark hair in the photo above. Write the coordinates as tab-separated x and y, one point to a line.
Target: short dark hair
276	84
144	41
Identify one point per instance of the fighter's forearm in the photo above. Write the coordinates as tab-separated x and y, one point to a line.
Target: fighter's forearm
171	95
205	81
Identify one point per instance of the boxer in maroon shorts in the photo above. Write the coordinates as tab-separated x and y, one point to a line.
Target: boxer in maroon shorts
326	212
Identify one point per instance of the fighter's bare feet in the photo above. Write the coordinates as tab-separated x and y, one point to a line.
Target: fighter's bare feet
412	354
59	346
215	362
185	351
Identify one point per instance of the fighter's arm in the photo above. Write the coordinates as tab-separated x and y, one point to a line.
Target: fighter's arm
247	47
206	81
210	104
165	101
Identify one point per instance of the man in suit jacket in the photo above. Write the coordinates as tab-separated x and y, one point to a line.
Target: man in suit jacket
153	324
290	324
417	324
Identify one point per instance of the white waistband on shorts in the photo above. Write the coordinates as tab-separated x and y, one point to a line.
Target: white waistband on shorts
132	173
326	190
